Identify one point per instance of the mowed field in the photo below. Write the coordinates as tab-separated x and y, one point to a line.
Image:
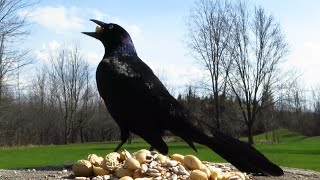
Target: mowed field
294	150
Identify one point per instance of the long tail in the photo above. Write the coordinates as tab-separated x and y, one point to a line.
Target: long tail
242	155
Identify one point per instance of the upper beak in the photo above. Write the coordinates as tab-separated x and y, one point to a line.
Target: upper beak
100	23
94	34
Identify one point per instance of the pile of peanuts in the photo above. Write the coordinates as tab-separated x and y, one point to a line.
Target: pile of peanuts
151	165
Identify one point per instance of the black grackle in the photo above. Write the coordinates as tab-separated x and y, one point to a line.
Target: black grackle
139	103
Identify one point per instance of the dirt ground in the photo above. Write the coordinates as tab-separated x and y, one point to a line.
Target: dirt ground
59	173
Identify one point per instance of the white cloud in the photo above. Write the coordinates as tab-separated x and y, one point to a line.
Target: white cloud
47	49
174	75
93	57
42	55
306	59
64	19
134	30
52	48
98	15
310	53
59	19
53	45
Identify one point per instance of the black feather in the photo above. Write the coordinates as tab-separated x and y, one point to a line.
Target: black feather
139	103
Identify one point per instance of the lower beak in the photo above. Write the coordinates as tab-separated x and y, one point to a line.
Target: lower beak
92	34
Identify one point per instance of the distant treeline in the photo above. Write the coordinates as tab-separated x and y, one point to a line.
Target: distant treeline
41	117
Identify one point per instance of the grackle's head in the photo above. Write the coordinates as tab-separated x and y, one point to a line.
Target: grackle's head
114	38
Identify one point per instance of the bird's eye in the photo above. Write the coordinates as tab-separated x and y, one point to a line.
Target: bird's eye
111	26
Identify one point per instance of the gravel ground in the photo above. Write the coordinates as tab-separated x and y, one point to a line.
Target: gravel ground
59	173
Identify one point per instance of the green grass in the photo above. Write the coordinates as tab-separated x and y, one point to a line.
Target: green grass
55	155
294	150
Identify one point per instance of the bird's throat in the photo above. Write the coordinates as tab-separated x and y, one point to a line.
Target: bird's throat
125	48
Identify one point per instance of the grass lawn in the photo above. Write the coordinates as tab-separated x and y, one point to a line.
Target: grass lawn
293	151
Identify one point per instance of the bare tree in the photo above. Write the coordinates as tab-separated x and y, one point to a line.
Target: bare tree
70	83
258	47
41	110
316	110
209	31
13	27
87	106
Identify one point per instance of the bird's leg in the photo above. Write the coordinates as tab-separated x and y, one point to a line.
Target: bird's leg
152	148
190	143
157	143
124	137
119	146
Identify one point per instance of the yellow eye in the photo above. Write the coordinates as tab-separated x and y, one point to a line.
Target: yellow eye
98	29
111	26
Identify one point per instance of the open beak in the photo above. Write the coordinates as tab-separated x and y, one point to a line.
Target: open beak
95	34
92	34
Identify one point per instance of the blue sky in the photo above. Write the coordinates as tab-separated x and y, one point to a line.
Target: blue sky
158	30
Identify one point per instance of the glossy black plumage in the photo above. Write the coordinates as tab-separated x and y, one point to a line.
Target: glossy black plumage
139	103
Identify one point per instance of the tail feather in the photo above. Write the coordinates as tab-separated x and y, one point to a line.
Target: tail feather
242	155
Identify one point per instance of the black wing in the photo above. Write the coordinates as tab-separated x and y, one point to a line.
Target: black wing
136	98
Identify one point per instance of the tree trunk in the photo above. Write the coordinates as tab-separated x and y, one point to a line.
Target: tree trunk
217	111
65	138
267	135
82	135
250	136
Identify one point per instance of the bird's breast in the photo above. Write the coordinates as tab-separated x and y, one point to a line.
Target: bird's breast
114	80
120	67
